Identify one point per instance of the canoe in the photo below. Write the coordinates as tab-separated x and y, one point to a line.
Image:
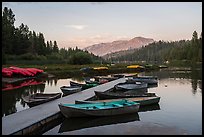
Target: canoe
99	109
131	86
71	124
67	90
142	100
40	98
115	95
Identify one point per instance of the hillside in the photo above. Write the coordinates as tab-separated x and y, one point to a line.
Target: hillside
120	45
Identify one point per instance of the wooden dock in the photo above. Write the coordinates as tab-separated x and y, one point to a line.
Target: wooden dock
32	119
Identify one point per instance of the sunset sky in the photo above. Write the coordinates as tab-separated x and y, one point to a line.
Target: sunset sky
82	24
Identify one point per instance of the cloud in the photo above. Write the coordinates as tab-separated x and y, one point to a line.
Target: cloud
78	27
97	3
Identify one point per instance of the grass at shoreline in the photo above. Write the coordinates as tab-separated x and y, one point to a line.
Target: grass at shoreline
67	70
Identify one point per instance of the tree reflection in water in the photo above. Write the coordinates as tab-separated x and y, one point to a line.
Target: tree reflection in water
11	97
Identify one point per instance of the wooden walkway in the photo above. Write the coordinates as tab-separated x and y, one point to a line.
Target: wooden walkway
28	120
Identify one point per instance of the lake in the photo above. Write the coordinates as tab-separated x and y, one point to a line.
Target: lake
178	112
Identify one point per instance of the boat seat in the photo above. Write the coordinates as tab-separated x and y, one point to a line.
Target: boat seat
125	104
117	105
97	107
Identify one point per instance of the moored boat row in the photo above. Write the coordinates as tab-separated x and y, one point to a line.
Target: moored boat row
111	102
123	98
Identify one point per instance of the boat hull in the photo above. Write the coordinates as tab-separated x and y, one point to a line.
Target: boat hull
142	100
75	112
114	95
42	98
67	90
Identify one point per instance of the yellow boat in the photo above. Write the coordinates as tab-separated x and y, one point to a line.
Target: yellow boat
100	68
135	67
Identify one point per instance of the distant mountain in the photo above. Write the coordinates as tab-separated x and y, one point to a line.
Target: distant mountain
120	45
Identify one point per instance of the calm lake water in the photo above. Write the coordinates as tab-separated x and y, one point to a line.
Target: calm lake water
178	112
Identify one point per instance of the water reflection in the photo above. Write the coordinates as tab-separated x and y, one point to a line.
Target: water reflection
195	76
152	107
12	97
70	124
12	102
51	81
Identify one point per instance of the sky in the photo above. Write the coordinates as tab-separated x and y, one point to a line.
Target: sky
83	24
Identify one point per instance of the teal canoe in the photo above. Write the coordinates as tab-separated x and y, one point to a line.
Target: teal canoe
122	106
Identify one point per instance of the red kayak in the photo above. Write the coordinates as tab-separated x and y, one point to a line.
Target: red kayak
25	72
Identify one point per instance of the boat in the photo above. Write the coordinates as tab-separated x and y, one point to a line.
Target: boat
115	95
100	68
106	78
135	67
99	109
40	98
86	69
84	86
92	82
131	86
72	83
67	90
118	75
71	124
20	72
163	66
148	79
142	100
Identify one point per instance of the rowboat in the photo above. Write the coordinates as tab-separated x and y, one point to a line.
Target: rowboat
131	86
148	79
40	98
67	90
91	82
99	78
72	83
99	109
115	95
71	124
142	100
84	86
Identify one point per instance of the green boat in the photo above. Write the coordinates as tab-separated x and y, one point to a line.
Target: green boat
99	109
84	86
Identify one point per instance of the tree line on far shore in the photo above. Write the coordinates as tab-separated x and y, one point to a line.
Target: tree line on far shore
162	51
19	43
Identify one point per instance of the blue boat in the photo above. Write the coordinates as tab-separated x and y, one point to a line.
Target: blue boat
122	106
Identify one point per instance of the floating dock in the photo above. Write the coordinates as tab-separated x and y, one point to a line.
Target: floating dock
30	120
